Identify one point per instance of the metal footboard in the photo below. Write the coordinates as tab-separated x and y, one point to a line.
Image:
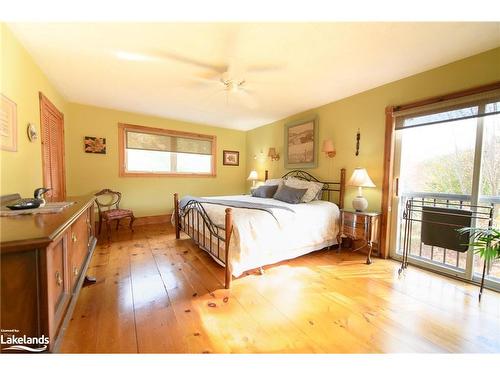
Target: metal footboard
193	220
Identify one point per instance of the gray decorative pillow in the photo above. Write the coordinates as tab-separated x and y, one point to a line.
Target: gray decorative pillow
289	195
265	191
312	187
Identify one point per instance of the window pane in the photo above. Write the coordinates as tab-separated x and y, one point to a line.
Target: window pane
441	116
490	181
194	163
152	142
193	146
148	161
438	158
492	107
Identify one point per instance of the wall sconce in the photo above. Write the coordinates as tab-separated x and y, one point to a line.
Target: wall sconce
273	155
328	148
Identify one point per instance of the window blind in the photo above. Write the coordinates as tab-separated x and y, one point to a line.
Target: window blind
469	107
167	143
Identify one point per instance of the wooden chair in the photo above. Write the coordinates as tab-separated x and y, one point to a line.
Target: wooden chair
107	213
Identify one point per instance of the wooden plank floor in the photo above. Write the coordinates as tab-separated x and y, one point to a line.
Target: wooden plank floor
158	295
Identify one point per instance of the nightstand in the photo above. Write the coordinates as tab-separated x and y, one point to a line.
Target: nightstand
363	226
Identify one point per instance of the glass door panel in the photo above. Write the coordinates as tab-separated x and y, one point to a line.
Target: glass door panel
448	163
489	192
436	165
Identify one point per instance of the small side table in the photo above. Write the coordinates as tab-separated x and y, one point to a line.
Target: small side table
360	226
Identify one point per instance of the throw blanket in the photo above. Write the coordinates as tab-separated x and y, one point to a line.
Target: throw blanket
233	203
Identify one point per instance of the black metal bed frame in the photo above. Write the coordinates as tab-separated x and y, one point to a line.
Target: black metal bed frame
415	208
193	220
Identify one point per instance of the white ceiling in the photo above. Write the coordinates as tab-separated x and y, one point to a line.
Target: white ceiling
159	68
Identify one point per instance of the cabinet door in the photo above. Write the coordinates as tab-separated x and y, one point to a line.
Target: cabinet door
79	248
19	293
57	282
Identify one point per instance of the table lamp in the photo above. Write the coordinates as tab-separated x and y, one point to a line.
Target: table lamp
253	176
360	179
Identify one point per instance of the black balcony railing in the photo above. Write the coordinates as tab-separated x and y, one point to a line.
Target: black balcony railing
441	256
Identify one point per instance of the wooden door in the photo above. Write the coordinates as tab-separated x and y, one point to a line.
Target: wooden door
52	135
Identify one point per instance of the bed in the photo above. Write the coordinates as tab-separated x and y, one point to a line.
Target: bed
242	232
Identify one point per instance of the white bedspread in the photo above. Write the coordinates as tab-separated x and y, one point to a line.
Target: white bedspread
259	239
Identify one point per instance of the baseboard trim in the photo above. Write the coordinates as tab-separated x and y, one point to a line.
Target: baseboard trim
158	219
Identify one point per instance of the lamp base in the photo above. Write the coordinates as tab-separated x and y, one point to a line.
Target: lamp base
360	203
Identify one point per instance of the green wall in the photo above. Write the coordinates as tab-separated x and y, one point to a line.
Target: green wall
340	121
21	80
87	173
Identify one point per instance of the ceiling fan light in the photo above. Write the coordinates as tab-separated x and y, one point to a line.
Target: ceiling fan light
234	87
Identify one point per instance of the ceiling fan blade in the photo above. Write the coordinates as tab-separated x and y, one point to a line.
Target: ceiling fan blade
190	61
263	68
203	80
208	100
247	100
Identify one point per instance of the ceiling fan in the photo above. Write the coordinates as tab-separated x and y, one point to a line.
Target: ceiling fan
230	79
232	87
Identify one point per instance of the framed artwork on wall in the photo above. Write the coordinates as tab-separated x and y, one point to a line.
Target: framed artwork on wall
230	157
301	144
95	145
8	124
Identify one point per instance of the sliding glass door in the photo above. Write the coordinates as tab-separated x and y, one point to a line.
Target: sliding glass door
447	157
489	185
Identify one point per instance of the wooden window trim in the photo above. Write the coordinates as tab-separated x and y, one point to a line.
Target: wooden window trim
123	127
390	124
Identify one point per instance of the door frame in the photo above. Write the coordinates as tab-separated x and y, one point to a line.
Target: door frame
389	187
45	103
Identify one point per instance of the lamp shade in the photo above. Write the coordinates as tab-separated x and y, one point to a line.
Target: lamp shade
253	176
360	178
328	146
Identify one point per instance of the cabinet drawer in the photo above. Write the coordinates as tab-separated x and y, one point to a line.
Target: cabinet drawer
356	233
78	248
355	221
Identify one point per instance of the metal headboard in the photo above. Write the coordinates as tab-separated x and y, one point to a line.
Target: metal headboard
328	186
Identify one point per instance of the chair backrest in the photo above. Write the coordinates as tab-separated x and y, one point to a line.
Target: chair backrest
114	198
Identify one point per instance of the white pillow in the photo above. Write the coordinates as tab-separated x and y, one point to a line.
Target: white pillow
312	188
274	181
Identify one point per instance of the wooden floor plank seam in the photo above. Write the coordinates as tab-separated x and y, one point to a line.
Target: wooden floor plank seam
133	303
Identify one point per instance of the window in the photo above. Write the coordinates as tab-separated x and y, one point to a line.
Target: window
146	151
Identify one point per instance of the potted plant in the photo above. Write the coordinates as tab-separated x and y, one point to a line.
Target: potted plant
486	243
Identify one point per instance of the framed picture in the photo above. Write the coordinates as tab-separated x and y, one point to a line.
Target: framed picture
95	145
301	144
8	124
230	157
